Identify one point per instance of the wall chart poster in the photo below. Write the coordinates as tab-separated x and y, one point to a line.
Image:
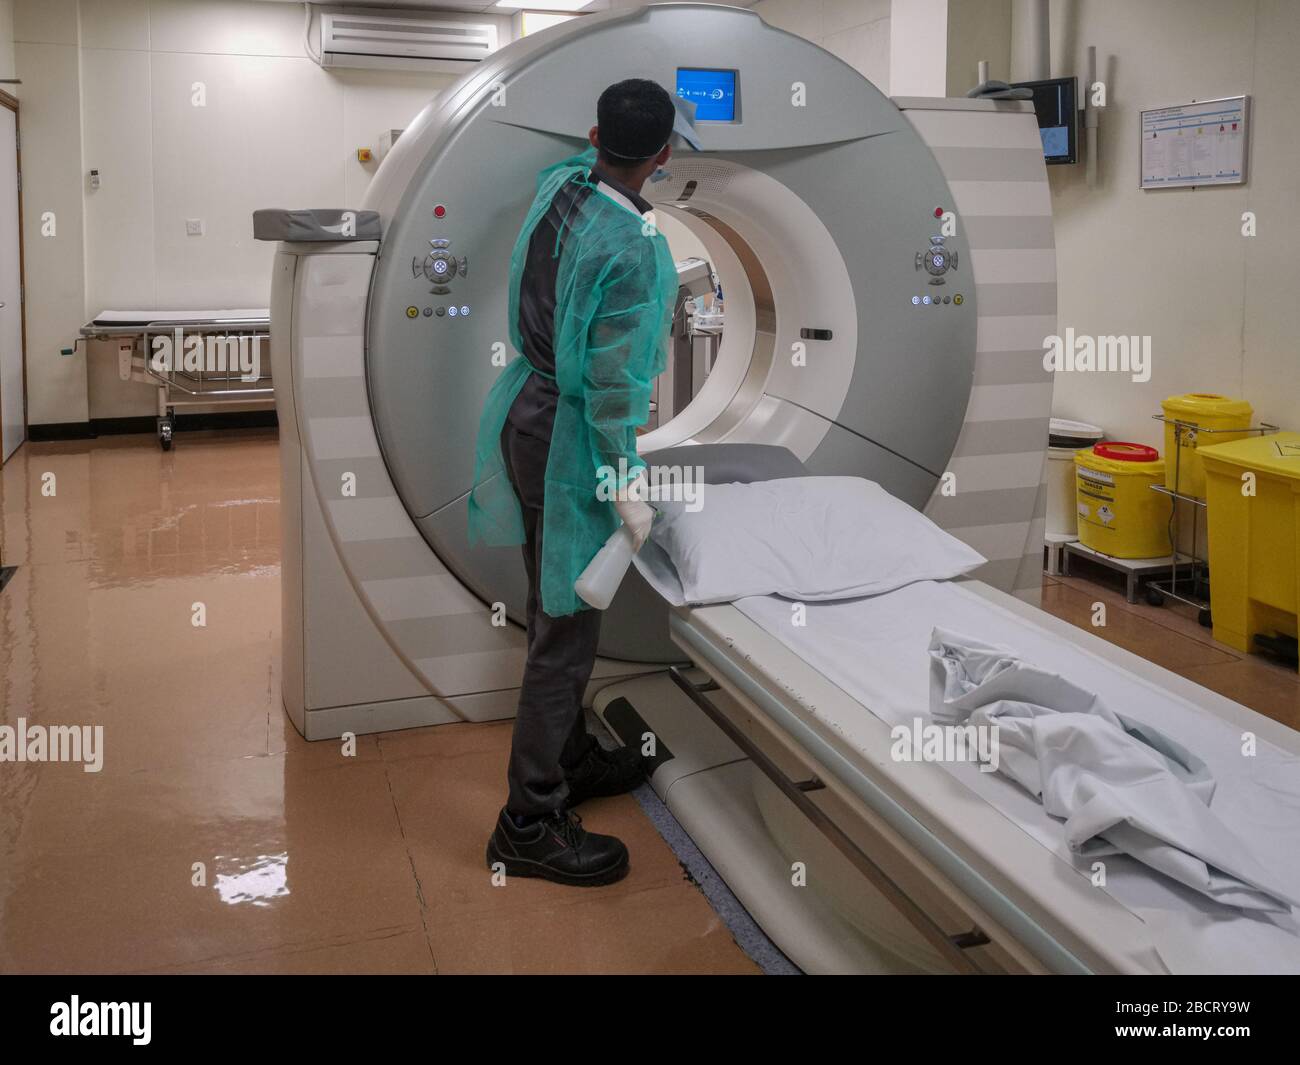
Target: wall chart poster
1196	144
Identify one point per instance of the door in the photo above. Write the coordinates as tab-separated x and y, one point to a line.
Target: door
12	392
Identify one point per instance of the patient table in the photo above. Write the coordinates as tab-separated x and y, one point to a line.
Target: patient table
176	386
971	862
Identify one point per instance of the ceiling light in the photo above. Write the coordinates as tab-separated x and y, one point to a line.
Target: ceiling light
545	5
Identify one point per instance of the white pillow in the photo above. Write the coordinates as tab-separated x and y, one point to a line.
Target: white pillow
805	538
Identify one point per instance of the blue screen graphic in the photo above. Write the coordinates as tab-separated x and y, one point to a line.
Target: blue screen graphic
1056	141
713	92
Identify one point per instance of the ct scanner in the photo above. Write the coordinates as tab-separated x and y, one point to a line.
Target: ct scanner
863	336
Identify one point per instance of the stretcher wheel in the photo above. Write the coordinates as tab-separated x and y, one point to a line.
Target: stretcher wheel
1205	618
1154	596
165	433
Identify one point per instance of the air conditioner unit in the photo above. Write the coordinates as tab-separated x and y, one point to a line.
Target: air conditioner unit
404	41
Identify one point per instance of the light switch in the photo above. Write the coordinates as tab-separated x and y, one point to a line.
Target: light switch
194	227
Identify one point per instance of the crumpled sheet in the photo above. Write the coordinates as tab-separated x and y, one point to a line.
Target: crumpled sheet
1120	787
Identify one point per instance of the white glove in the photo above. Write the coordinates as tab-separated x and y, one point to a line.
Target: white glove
638	517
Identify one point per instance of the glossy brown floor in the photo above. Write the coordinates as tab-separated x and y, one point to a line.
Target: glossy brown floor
215	839
1171	637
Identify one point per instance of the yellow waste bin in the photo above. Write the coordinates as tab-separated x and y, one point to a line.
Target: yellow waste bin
1254	526
1119	515
1199	410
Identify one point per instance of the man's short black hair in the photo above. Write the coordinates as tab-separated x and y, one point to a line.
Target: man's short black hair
635	119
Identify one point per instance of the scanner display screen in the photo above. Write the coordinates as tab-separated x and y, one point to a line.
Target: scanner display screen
713	92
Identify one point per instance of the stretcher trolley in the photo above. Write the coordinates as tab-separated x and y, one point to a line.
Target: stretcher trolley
192	358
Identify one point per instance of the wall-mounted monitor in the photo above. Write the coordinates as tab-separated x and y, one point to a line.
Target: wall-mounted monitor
713	92
1057	107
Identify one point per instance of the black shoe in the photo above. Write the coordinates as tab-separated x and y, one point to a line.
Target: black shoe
557	848
603	772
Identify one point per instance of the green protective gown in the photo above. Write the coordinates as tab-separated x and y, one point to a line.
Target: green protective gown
614	291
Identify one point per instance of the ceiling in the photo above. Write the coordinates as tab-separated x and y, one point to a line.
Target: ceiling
479	6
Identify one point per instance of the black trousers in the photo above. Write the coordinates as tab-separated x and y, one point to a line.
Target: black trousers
550	731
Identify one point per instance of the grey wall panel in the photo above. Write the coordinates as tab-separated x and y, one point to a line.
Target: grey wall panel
990	164
367	474
1005	232
1005	437
333	397
385	559
970	507
450	635
1018	299
494	574
1011	368
999	182
396	612
845	454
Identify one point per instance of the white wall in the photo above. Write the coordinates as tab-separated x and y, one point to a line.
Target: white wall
918	48
109	85
7	43
47	61
1220	308
978	29
855	30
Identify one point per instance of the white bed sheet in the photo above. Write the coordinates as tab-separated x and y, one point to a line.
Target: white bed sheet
876	650
110	317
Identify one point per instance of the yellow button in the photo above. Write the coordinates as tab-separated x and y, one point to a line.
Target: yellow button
412	312
957	299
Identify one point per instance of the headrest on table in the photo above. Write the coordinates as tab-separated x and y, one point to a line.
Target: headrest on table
314	224
731	463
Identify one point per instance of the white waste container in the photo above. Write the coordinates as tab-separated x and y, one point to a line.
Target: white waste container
1064	439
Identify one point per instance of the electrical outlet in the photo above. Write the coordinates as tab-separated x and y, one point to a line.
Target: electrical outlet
194	227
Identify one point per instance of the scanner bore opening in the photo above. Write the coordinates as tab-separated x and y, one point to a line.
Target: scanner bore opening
768	248
745	348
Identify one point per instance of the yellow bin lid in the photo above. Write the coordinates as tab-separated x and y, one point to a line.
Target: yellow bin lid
1208	405
1119	456
1278	454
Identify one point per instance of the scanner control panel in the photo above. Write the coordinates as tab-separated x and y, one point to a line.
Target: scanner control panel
439	267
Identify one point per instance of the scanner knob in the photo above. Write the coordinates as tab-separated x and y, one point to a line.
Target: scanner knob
439	266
